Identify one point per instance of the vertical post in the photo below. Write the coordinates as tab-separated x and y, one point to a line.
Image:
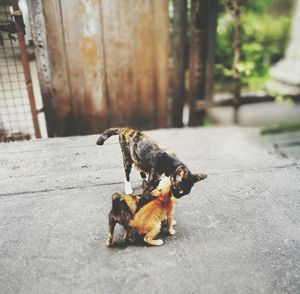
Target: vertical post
179	56
236	58
44	68
25	63
198	35
210	55
201	58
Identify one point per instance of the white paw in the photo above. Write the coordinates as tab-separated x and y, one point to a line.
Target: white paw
172	231
109	242
128	189
159	242
174	222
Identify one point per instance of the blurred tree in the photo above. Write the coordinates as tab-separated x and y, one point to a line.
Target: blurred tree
264	33
236	8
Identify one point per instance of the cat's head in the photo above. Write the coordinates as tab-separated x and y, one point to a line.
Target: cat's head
183	180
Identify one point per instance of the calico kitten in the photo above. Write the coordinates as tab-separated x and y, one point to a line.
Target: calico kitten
143	213
124	208
149	158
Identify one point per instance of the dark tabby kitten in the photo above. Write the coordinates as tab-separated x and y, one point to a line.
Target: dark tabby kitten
149	158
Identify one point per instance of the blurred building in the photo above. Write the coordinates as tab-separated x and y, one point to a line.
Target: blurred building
286	73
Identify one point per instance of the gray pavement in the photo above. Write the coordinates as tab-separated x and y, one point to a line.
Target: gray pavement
237	232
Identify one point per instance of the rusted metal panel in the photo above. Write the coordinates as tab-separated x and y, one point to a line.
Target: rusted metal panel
109	63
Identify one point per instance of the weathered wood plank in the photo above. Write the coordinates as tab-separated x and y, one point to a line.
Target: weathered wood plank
39	35
144	69
127	49
85	63
60	79
61	94
113	63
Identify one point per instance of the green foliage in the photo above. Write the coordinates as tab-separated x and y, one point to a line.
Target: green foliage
263	39
281	128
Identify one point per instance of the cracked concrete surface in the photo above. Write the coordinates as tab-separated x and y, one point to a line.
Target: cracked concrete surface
237	232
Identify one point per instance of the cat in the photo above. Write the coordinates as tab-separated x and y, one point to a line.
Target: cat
124	208
149	158
143	214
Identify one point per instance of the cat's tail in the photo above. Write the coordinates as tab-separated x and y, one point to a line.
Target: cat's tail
106	134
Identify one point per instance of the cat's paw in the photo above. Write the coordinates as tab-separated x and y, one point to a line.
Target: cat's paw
174	222
172	231
129	240
157	242
109	242
128	189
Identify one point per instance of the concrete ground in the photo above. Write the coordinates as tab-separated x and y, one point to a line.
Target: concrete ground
237	232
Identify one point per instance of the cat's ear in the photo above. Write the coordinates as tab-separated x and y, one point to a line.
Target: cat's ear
199	177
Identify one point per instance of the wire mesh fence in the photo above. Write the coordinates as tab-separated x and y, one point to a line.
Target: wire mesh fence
15	113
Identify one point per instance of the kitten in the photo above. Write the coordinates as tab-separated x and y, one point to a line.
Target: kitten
143	213
149	158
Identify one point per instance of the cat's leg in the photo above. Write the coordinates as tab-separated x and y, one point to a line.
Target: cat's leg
127	167
127	161
146	186
111	228
170	221
128	188
153	178
129	234
152	234
126	235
